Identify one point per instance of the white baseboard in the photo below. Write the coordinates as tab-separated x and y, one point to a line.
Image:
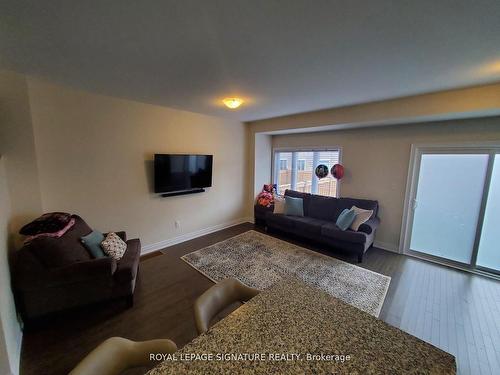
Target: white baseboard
189	236
386	246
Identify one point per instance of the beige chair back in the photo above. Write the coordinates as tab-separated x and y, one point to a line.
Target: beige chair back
218	297
117	354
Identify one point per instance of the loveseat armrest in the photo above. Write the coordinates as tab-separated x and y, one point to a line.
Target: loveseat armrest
129	263
71	274
369	226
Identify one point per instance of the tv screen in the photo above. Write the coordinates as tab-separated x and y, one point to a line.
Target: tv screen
174	172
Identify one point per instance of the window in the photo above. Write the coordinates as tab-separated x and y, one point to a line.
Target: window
296	170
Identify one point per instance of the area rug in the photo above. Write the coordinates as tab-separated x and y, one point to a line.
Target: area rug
259	261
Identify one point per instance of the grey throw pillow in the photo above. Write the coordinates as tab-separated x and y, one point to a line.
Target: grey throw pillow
92	242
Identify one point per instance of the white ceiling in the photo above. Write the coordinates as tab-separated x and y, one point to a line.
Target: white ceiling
283	57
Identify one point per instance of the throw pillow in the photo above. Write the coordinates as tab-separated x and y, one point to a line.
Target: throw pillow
92	242
294	206
345	219
361	217
114	246
47	223
279	205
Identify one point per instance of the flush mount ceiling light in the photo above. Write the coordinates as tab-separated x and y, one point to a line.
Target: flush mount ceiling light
232	102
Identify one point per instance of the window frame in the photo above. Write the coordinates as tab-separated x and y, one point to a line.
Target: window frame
275	160
286	164
417	150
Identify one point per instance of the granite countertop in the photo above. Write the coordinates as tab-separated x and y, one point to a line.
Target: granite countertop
278	331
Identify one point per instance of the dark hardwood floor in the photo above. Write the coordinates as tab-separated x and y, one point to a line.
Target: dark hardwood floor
453	310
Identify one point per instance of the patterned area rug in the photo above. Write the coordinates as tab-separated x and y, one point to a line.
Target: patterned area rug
259	260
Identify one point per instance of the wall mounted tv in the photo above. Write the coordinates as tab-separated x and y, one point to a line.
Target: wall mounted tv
177	174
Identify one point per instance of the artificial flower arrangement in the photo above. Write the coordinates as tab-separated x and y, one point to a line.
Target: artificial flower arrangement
266	196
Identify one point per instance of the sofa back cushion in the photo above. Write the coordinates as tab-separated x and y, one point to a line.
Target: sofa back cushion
323	208
366	204
304	196
329	208
63	251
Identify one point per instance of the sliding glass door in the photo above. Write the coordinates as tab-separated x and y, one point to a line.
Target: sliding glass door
488	256
453	213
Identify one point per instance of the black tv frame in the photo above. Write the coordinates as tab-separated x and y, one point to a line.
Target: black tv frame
186	191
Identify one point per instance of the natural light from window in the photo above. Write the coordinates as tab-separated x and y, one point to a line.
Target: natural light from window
295	170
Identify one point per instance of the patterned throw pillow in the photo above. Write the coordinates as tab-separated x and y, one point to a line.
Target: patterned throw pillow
114	246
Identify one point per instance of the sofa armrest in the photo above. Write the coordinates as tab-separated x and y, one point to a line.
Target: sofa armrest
71	274
369	226
127	266
121	234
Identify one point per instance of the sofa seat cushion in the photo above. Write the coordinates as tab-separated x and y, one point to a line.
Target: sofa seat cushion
332	231
308	224
280	220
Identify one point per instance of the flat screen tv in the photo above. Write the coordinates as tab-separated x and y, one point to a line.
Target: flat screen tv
178	173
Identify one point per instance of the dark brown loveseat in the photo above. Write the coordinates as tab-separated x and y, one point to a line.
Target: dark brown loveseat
53	274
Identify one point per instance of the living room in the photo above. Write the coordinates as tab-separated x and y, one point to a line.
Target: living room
332	192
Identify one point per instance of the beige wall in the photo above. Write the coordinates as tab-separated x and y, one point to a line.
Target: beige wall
20	201
95	153
377	159
263	152
18	148
459	103
10	332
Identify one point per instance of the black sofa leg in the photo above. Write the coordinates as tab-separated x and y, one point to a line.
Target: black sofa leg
360	258
130	300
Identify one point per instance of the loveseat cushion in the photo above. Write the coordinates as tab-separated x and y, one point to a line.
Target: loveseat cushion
331	230
308	224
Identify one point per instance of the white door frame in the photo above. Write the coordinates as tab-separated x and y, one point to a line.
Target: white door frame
417	150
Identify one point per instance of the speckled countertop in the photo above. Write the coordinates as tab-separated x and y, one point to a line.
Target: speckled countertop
292	320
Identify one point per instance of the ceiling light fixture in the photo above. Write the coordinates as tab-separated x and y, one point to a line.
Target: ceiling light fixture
232	102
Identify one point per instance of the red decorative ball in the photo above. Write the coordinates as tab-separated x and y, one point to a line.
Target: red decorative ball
337	171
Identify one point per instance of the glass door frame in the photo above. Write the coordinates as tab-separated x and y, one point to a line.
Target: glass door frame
417	150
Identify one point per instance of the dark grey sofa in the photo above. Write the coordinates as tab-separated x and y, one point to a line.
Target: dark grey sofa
318	222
